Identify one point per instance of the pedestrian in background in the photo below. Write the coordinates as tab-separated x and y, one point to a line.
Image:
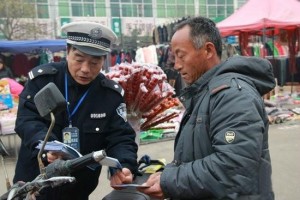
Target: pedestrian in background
5	72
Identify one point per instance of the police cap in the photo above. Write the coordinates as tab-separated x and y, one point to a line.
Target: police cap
89	37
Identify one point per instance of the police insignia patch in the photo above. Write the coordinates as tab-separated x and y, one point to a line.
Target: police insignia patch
122	112
229	136
96	33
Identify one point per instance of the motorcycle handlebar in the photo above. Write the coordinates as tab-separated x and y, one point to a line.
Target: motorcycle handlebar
65	167
54	173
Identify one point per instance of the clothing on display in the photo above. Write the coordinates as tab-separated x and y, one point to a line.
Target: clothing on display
163	33
282	70
22	63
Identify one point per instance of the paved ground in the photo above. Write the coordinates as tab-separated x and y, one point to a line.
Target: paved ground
284	145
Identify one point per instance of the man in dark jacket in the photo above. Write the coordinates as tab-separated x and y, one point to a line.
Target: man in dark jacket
95	115
221	149
5	72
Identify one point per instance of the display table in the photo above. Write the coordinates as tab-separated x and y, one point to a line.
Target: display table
7	126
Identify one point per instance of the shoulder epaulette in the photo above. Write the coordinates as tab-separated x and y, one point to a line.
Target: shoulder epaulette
112	85
41	70
219	83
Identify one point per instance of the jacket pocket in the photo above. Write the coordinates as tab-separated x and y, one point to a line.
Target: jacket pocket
201	136
92	136
94	126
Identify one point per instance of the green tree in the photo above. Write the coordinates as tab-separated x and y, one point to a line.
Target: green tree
18	20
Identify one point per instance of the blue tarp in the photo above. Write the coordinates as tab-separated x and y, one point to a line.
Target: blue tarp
32	46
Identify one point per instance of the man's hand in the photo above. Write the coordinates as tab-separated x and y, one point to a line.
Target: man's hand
120	177
154	190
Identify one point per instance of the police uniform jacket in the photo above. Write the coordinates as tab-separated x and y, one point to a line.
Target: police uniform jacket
221	150
100	120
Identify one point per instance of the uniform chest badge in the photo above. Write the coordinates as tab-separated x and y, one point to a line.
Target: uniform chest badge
98	115
229	136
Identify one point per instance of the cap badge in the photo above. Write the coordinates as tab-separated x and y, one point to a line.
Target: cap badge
229	136
96	33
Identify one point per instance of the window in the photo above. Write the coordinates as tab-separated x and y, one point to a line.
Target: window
88	10
161	11
115	10
171	11
41	7
180	10
221	11
126	10
101	9
76	10
83	8
230	10
148	11
131	8
140	8
212	11
190	10
64	9
175	8
42	11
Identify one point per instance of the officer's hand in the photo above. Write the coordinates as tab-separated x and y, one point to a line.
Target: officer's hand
120	177
154	190
52	156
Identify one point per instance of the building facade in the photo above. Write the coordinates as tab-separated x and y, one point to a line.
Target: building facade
124	16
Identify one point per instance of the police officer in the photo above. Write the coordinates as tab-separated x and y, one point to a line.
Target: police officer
95	116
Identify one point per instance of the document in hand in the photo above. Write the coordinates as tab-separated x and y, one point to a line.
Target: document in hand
130	186
67	151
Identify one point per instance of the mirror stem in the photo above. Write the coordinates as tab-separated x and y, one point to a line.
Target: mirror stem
41	164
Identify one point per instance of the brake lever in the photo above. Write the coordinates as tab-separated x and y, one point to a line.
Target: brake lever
39	183
57	181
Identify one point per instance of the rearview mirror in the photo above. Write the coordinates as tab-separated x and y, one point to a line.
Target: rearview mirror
49	99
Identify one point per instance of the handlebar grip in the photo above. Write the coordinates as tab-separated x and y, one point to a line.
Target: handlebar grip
85	160
78	163
63	168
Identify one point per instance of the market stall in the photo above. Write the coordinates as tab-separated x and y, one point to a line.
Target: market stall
31	46
268	18
22	55
9	98
149	99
